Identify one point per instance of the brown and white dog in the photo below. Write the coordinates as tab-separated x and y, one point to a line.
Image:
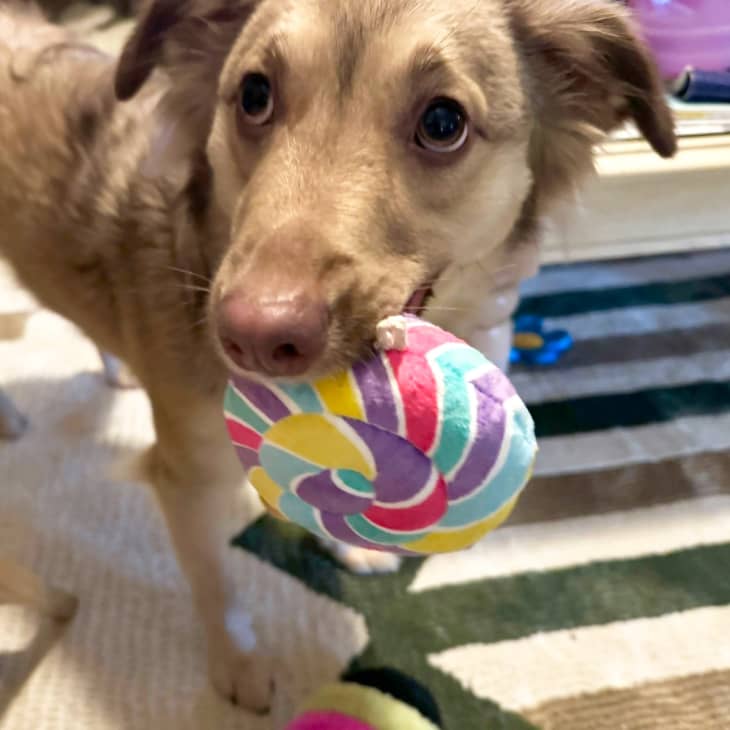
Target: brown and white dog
257	183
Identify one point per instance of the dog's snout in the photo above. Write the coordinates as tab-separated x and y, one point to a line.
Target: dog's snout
281	337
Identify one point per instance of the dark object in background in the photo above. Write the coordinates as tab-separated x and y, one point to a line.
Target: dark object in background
702	86
54	7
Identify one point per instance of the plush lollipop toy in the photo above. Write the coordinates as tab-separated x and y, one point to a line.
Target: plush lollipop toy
375	699
415	451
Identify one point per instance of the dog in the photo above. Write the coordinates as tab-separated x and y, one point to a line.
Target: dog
256	184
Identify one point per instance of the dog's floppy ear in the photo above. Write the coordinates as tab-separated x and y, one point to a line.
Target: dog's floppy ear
587	72
190	41
143	51
189	36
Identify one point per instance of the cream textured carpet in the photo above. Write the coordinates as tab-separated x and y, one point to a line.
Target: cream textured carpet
133	657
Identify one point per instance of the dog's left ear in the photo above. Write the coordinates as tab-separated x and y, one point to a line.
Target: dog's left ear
587	72
143	51
187	38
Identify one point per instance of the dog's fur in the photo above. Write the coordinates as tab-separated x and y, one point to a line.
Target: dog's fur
133	199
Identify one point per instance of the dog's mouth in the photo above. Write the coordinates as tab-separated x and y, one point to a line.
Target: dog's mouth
418	301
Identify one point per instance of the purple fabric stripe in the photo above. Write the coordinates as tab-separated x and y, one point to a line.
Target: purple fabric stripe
323	494
340	530
249	458
372	380
483	451
402	471
262	398
494	384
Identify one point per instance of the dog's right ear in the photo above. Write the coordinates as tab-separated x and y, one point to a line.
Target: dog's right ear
191	36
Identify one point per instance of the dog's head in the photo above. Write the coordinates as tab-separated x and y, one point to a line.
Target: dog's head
359	148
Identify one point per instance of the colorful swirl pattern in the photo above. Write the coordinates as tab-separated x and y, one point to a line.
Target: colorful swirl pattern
412	452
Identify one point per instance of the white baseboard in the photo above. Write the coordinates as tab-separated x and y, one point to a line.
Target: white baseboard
639	204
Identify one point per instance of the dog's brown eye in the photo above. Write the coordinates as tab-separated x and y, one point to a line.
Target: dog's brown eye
443	127
257	99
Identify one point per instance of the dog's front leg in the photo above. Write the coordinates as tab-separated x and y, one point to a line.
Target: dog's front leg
196	476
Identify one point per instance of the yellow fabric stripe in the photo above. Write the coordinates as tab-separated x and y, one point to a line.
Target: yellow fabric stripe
268	489
316	439
340	396
446	542
368	705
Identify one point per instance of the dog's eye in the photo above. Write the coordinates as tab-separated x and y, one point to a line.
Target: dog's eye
257	99
443	127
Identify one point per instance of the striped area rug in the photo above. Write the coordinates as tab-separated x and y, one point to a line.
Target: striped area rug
605	602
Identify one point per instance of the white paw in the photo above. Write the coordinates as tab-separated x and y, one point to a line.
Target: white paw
245	679
391	333
362	561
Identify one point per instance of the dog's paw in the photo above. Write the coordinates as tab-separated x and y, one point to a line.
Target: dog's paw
362	561
246	679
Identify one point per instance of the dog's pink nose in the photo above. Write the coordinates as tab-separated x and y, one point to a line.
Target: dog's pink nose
276	337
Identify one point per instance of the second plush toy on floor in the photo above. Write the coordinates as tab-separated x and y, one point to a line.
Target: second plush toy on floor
378	699
414	451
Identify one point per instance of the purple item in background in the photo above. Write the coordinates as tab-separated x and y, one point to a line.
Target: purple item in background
685	33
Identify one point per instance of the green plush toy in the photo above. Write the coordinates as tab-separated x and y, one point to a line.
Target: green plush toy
375	699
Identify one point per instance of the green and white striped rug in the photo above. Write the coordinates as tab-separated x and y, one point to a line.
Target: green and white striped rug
603	605
605	601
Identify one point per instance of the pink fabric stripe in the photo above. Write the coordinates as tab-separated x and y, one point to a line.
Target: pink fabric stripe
243	435
409	519
418	397
423	337
327	721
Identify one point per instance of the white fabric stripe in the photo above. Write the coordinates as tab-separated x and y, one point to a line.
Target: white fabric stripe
540	385
581	540
525	673
637	445
634	272
642	320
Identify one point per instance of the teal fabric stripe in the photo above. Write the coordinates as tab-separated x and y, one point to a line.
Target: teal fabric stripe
301	513
376	534
564	304
453	363
502	488
356	482
303	395
283	467
238	407
656	405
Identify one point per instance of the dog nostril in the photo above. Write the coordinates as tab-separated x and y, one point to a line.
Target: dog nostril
231	347
286	352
